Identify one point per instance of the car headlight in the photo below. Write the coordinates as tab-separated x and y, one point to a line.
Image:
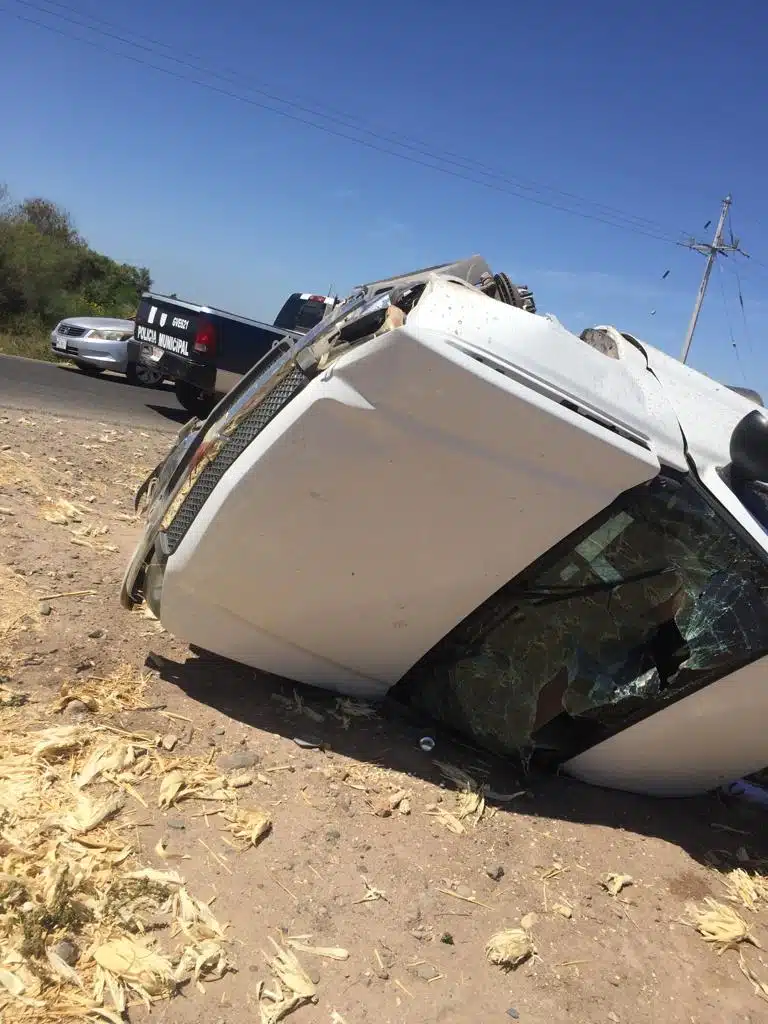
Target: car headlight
109	335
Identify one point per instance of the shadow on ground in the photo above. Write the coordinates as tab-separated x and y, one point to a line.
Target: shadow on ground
179	415
713	829
114	378
174	413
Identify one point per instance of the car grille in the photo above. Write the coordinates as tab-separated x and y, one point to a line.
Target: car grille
251	426
72	332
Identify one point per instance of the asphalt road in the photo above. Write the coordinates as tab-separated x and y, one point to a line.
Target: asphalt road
29	385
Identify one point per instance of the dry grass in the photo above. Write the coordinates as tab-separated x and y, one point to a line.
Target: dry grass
58	486
18	613
69	871
34	346
18	473
123	690
760	987
45	481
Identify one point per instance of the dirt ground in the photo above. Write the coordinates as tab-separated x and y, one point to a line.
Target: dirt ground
362	854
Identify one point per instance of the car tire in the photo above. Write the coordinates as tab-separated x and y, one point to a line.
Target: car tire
90	371
142	376
195	401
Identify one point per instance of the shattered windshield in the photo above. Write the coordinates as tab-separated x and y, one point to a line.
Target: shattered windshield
649	603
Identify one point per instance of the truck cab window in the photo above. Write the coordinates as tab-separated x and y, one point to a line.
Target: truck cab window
642	607
300	314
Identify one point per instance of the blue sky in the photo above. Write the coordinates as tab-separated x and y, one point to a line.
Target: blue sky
656	110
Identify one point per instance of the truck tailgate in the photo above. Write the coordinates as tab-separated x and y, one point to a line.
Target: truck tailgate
166	326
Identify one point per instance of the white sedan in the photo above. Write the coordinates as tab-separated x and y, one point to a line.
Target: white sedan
98	343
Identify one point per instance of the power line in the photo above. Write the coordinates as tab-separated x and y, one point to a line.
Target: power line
753	260
740	292
346	120
758	263
753	270
730	325
636	228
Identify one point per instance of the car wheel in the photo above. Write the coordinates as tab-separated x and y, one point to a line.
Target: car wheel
198	402
90	371
143	376
519	295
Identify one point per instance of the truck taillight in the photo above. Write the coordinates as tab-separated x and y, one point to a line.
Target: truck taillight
205	338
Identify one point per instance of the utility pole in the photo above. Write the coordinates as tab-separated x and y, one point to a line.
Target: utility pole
717	248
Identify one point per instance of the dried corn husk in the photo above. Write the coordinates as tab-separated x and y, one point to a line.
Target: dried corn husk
194	917
170	879
746	889
292	987
275	1006
249	824
721	925
171	788
450	821
470	799
113	755
133	961
614	882
510	947
54	743
11	982
329	952
89	813
62	969
289	972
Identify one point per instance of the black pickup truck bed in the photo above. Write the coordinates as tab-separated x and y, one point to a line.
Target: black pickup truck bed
205	350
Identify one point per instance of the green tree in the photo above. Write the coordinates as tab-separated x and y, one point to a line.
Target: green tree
48	271
49	219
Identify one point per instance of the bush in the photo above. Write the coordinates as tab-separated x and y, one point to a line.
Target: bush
48	272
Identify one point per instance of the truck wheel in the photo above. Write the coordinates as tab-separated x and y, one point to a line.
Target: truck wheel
198	402
519	295
143	376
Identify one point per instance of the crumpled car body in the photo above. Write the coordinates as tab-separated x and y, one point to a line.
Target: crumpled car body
520	531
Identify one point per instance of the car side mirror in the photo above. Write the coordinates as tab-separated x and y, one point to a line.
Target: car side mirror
749	446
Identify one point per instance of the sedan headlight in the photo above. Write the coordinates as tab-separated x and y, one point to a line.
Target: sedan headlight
109	335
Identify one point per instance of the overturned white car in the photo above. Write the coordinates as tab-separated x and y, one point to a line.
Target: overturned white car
552	544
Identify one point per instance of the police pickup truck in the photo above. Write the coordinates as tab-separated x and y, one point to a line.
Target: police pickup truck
205	351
